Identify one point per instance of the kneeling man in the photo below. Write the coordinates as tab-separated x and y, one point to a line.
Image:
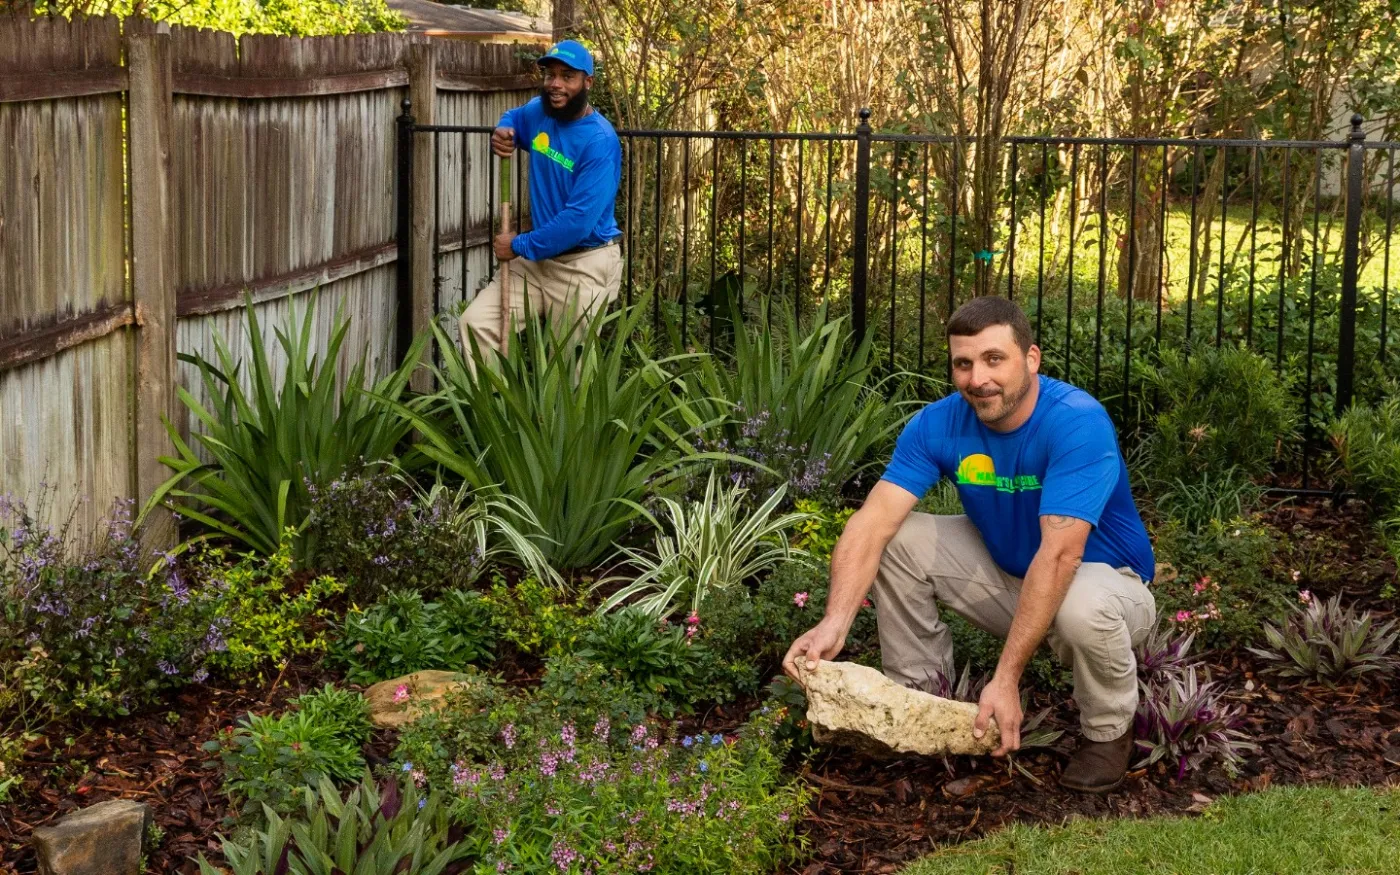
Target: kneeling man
1052	547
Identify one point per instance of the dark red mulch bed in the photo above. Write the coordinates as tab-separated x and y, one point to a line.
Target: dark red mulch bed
870	817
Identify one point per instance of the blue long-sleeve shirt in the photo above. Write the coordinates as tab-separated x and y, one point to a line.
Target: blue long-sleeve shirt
575	169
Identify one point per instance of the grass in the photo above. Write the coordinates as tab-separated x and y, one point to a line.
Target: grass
1281	830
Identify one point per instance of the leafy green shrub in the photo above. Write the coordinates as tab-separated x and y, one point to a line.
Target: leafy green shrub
269	760
84	629
819	532
396	831
941	500
714	545
1223	407
657	660
792	599
1368	447
1215	582
286	17
597	800
801	400
575	434
264	614
1215	495
346	710
540	620
267	447
1325	642
390	534
402	634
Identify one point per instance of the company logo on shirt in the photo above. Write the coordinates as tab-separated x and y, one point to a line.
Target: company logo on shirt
979	470
541	145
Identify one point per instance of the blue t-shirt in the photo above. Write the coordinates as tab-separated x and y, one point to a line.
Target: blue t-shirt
1063	460
575	169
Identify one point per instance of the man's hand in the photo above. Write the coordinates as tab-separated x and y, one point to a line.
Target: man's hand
502	246
823	641
503	142
1003	701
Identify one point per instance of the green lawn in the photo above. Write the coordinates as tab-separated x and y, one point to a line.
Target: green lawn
1285	830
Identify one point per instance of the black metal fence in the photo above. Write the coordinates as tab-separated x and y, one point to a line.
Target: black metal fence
1118	248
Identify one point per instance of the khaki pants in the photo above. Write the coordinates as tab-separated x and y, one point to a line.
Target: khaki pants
937	560
570	287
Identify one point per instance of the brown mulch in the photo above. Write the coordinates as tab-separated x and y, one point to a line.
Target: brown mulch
868	817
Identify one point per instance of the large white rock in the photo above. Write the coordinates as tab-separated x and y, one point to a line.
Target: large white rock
856	706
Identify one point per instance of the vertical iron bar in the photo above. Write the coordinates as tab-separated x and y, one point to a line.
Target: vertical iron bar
437	217
1103	261
743	216
1040	272
923	262
403	265
797	268
826	271
1312	321
952	251
1132	273
894	241
1389	228
1162	276
1351	260
1282	267
1191	260
1073	219
860	243
631	213
492	172
1253	241
1011	245
656	249
772	165
462	150
684	297
714	235
1224	210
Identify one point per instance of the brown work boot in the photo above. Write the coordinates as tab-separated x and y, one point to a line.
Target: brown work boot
1099	766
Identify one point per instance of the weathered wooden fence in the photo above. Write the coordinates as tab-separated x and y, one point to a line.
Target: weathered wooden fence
153	177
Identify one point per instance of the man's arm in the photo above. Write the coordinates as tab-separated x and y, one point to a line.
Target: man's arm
1052	570
853	567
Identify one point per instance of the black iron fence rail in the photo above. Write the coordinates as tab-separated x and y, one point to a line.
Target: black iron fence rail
1118	247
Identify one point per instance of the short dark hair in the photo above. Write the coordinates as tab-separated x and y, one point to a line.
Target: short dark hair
982	313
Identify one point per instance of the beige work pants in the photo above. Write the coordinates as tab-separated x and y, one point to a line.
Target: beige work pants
937	560
568	287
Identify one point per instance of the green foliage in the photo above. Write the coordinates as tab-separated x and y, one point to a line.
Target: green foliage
818	534
346	710
265	615
1215	581
287	17
941	500
660	661
608	801
268	760
538	619
1325	642
269	445
979	651
1368	446
391	534
84	629
575	434
1222	408
1187	722
713	545
1227	494
802	401
397	831
402	634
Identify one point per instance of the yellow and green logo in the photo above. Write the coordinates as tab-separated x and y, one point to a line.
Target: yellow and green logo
979	470
541	145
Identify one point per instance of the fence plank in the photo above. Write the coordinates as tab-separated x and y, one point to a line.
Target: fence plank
422	90
153	293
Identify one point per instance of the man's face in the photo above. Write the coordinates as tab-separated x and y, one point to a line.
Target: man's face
564	90
992	372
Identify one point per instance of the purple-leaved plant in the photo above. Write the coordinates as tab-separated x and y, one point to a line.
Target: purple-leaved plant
1187	722
1326	642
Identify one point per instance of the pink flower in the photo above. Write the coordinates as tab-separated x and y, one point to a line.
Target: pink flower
1183	616
1304	596
400	694
1199	587
800	599
693	619
865	603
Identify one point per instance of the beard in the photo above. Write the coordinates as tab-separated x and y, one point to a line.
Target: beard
996	406
572	108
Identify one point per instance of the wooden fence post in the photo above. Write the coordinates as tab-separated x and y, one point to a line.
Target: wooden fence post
153	290
422	91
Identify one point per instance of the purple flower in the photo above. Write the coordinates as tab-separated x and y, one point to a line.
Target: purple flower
167	668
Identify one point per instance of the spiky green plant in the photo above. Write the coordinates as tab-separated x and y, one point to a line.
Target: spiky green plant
707	546
288	430
1326	642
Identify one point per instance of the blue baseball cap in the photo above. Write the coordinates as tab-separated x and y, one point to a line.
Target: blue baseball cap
570	54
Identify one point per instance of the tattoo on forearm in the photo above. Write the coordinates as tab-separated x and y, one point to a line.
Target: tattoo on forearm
1057	521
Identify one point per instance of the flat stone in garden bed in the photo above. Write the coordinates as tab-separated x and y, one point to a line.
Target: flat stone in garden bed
402	700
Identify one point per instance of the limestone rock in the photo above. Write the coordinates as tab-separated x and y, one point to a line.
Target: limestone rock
403	700
856	706
102	839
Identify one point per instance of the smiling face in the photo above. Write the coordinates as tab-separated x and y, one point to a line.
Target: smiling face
995	376
564	90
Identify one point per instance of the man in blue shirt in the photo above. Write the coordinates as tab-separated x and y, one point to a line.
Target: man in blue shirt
569	265
1051	548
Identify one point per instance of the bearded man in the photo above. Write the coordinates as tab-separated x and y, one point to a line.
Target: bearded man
570	265
1051	547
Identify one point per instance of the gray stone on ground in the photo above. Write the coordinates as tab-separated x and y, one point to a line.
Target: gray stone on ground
403	700
102	839
856	706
